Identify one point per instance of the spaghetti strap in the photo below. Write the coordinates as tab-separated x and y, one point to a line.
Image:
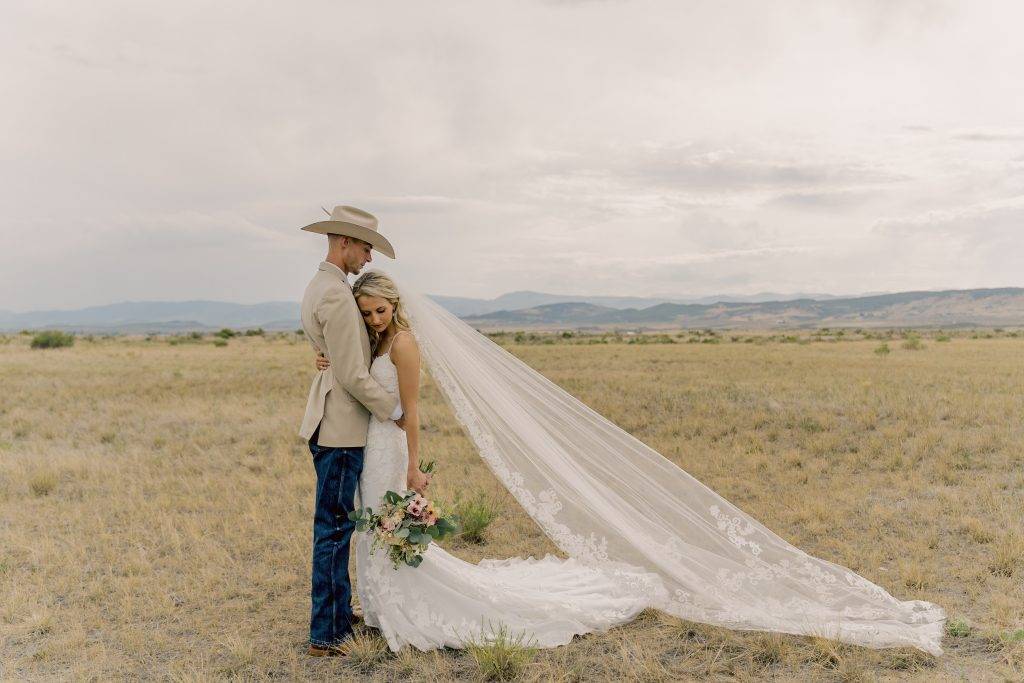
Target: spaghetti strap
391	345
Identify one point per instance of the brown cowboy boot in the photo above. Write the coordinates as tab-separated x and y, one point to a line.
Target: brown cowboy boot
317	651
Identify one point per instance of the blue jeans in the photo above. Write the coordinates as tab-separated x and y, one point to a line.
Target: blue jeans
337	474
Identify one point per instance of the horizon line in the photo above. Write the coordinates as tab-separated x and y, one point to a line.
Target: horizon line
531	291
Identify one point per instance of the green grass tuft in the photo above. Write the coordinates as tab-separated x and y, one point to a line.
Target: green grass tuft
475	515
958	628
501	655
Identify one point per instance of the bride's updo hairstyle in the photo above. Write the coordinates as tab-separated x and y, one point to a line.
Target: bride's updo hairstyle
378	284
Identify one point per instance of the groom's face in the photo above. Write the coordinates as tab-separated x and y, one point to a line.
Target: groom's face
356	254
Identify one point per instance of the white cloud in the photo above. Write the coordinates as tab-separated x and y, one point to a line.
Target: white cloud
989	134
659	147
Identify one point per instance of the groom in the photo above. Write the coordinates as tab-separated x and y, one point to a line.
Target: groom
337	414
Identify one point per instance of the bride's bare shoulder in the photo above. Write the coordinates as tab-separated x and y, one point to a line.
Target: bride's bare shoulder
404	346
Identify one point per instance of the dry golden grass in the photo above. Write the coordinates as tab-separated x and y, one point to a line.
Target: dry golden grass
155	502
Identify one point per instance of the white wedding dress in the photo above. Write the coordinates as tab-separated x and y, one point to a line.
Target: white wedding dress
640	530
446	602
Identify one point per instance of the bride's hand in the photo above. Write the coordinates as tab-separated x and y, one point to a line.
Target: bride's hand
419	481
321	362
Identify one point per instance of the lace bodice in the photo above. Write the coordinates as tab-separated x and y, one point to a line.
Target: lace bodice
386	456
385	372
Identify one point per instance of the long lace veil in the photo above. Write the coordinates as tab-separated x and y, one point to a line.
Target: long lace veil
604	497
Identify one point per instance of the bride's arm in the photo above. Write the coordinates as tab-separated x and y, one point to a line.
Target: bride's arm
405	354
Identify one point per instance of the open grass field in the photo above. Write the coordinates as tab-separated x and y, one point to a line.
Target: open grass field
155	502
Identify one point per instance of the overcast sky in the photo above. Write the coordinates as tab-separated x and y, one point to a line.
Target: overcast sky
173	150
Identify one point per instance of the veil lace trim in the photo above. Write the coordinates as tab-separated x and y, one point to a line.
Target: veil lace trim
605	498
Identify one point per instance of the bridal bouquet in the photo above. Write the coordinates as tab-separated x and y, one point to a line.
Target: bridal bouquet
404	524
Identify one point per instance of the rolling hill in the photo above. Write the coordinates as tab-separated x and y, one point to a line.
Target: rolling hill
977	307
463	306
159	316
949	308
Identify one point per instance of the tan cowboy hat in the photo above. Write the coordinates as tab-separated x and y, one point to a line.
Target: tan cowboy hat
353	222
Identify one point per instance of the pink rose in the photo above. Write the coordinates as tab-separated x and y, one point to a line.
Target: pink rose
416	505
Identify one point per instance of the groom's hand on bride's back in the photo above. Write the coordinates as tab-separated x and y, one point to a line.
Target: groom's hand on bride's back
322	363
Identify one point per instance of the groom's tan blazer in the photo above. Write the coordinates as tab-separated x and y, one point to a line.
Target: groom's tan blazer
340	396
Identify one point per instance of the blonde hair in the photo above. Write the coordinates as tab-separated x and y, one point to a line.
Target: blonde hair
378	284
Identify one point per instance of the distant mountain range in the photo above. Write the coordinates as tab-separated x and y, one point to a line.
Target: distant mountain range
537	310
949	308
159	316
512	301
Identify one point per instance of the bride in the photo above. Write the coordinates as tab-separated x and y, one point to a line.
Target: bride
639	531
446	602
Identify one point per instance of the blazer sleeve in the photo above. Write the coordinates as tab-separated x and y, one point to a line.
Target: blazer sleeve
339	317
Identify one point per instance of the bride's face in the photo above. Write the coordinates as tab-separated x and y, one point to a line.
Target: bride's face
377	312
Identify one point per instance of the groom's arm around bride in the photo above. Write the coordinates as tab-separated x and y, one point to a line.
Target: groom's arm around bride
341	396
